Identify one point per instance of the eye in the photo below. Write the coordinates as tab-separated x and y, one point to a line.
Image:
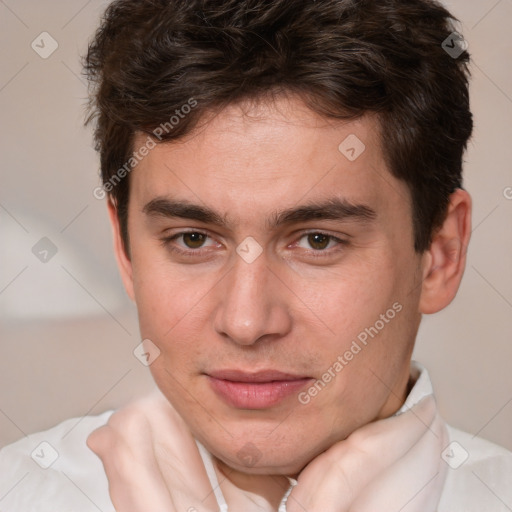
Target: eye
318	241
189	241
193	240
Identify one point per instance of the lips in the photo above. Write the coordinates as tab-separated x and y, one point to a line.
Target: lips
258	390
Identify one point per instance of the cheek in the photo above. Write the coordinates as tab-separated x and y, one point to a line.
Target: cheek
370	319
169	302
349	298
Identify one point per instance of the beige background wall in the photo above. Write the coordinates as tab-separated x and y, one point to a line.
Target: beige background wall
67	329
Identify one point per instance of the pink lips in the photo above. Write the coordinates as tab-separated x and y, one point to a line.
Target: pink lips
258	390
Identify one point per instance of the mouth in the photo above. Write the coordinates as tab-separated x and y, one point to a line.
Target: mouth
258	390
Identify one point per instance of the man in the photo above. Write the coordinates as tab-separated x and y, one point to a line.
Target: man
284	186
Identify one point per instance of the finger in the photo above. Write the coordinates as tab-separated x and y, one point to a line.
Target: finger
331	482
416	478
135	481
177	456
390	438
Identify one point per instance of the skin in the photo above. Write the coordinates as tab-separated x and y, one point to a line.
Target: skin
287	310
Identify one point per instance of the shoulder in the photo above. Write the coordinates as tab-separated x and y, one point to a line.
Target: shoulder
55	470
479	475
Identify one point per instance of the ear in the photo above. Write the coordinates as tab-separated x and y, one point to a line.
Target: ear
123	262
445	260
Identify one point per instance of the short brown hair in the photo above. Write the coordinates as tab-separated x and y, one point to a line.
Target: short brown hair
344	58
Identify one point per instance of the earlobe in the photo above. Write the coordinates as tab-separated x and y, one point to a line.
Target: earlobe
123	262
445	260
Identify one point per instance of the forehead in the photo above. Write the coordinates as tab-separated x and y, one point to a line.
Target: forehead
247	160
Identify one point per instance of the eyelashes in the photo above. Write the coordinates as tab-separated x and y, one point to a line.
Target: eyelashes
195	244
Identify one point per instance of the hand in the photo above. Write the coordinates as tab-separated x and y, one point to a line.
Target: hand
377	467
152	461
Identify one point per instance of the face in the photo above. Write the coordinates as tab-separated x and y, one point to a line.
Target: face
276	274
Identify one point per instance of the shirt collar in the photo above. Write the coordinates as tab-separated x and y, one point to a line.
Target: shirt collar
422	387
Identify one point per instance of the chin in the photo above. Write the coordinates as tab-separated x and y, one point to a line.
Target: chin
262	457
265	467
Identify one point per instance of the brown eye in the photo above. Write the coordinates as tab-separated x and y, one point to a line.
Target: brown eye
318	241
194	240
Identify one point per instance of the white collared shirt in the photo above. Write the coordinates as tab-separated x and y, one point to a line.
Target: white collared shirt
54	470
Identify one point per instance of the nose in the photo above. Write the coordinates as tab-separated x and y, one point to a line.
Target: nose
252	304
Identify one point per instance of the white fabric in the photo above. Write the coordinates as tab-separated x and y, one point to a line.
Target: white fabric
76	480
210	471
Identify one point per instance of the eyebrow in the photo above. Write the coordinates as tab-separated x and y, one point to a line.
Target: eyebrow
330	209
